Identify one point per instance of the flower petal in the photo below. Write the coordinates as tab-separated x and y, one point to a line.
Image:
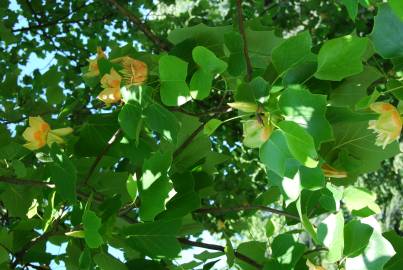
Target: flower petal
61	131
52	138
32	146
110	95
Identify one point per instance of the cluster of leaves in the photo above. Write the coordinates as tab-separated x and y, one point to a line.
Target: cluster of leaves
149	175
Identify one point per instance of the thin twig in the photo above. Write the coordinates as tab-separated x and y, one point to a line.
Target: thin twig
249	69
25	182
220	248
188	140
162	45
246	207
94	165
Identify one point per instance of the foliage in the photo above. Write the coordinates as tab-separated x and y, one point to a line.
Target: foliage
155	122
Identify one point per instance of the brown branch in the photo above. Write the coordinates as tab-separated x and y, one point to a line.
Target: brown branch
220	248
19	256
245	43
188	140
246	207
162	45
94	165
25	182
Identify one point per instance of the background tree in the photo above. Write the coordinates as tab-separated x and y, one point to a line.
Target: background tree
151	122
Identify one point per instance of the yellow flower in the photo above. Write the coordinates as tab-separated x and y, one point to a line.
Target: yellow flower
389	124
134	71
314	267
93	69
38	134
111	84
329	171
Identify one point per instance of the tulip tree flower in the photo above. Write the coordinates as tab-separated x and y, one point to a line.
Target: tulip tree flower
93	69
38	134
389	124
111	84
134	72
313	266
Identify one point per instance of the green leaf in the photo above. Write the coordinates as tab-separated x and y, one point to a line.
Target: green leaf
291	52
174	90
254	250
229	252
92	224
352	8
397	7
354	88
312	178
387	34
360	201
210	37
260	46
356	238
340	58
54	94
286	251
130	119
255	133
236	60
308	110
209	65
108	262
131	185
274	153
200	84
161	120
354	148
397	242
208	61
300	143
211	126
270	228
19	168
180	205
154	239
376	254
154	185
4	256
303	212
6	34
64	174
95	134
331	234
197	150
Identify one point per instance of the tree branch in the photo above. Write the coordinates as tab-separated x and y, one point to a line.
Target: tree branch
188	140
245	43
246	207
162	45
94	165
220	248
25	182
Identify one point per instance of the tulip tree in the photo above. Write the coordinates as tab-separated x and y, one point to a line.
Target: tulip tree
156	123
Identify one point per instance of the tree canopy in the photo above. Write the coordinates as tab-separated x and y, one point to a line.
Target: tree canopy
138	127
